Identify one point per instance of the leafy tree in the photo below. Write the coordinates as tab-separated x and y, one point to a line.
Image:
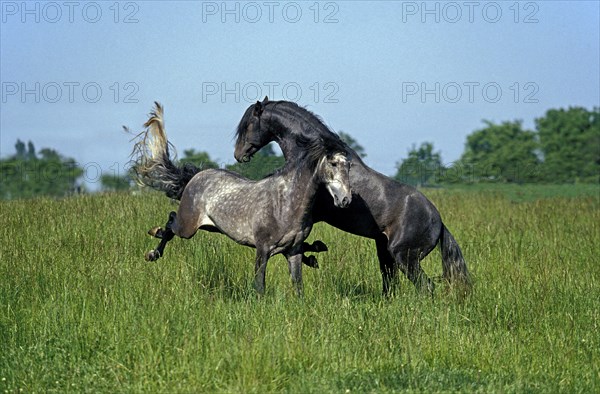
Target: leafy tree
264	162
30	150
199	159
259	167
570	143
267	150
422	166
20	148
115	183
27	174
352	143
501	152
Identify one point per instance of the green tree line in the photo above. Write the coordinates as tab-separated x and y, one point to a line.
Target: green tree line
563	148
29	173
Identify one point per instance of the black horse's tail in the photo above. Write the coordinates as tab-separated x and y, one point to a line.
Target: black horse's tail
454	265
152	163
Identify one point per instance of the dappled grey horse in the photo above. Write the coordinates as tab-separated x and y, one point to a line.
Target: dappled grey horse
273	214
405	225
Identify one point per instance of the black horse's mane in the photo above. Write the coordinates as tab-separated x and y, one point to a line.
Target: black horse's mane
314	145
290	109
315	148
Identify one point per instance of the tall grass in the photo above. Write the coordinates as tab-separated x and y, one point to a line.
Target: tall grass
81	311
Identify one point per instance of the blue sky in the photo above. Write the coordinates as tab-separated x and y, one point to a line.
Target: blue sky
391	74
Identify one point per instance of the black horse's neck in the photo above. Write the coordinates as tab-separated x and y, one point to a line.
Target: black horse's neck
290	124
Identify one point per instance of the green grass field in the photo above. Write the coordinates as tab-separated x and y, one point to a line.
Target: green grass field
81	311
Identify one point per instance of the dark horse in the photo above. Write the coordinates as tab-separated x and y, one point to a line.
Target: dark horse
273	214
405	225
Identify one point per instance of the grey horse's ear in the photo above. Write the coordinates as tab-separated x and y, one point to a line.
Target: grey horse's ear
265	100
258	109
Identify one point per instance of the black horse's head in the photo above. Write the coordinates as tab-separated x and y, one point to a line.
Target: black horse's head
250	137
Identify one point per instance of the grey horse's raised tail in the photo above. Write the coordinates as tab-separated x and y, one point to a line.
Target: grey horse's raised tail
454	265
152	163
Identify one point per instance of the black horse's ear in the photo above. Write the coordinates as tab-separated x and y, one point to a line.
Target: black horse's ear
265	100
258	109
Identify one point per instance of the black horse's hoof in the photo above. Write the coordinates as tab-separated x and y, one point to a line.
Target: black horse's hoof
152	255
311	261
319	246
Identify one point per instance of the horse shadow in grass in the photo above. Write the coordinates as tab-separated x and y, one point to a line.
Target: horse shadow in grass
347	288
219	283
220	278
410	375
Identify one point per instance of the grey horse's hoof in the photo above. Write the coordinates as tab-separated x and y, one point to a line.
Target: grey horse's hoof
154	231
152	255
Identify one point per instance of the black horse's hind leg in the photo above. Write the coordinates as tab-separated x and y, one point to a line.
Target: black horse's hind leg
164	235
411	266
387	265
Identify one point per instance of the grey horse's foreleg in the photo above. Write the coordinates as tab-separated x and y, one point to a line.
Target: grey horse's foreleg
260	271
295	267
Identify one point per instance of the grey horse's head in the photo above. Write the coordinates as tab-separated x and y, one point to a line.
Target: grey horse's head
334	171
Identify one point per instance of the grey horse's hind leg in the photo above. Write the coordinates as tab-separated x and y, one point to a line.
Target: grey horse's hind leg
165	235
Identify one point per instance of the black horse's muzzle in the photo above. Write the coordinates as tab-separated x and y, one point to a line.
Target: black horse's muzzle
247	154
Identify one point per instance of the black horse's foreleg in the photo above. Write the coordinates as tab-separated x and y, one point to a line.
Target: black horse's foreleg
316	247
165	235
310	261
